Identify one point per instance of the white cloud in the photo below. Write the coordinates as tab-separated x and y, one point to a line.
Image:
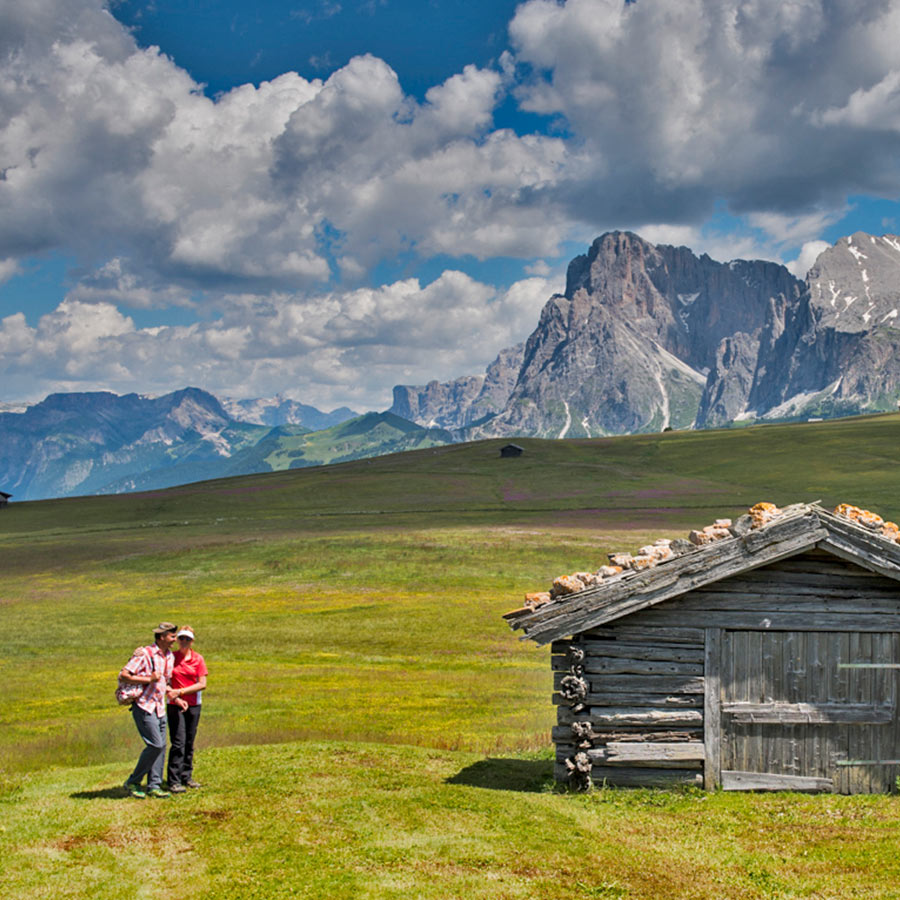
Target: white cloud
8	268
254	205
114	283
769	105
809	253
877	107
330	349
107	145
538	267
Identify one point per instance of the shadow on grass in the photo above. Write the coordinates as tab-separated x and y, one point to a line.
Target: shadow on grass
110	793
529	775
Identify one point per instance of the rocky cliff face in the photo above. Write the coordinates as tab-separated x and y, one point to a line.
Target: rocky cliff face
838	351
648	337
459	403
628	347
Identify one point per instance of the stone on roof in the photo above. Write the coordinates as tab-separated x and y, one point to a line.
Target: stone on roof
668	568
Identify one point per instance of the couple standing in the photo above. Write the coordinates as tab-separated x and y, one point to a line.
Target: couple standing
174	682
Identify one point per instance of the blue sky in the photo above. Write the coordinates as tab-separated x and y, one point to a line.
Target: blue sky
326	198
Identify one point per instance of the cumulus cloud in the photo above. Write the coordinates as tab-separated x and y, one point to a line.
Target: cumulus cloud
265	208
8	268
108	145
809	253
769	105
331	349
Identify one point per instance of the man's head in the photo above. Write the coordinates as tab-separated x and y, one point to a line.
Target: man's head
164	635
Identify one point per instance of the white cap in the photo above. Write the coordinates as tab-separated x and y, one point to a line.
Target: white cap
185	632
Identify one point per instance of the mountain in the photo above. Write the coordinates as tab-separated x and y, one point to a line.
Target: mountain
96	443
648	337
83	442
372	434
836	352
280	411
463	401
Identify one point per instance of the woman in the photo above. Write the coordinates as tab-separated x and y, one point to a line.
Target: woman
188	682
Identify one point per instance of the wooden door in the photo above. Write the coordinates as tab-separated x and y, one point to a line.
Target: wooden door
804	710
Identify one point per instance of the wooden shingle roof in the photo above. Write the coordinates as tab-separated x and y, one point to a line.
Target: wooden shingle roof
795	529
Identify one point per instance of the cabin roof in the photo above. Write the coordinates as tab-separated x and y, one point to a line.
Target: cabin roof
744	546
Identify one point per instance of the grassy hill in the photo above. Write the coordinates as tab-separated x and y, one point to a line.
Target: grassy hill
372	728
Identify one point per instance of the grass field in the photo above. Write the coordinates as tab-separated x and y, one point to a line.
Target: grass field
372	728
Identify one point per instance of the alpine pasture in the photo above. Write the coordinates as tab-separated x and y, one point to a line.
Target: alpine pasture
372	728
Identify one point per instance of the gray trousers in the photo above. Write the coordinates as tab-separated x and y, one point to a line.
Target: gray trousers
152	729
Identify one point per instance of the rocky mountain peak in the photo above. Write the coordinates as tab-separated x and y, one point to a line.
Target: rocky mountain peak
616	267
648	337
854	286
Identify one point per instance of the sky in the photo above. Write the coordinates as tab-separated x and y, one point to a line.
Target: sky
324	198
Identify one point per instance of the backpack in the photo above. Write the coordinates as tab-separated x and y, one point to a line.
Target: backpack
126	692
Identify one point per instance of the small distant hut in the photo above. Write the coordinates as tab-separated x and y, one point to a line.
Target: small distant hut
759	655
4	499
511	450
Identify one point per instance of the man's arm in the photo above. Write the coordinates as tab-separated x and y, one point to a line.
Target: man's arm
137	663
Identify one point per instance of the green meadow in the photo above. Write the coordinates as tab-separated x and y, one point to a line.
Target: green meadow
372	728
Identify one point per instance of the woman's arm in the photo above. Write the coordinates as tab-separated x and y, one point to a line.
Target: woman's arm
199	685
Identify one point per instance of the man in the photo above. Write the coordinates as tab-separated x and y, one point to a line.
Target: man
151	666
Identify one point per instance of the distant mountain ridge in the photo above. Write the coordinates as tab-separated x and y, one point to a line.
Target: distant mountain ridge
279	410
644	338
648	337
92	443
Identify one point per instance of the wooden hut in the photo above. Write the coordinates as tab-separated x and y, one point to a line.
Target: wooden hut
757	656
508	450
4	499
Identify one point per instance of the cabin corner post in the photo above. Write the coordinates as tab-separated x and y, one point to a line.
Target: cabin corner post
573	691
712	709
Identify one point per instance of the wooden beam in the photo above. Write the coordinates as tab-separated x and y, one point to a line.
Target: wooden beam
868	762
663	701
775	621
649	684
681	755
712	709
691	638
616	776
631	650
598	665
779	713
612	716
767	781
562	735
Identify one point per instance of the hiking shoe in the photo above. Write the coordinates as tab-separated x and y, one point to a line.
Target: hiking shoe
135	790
193	784
158	793
177	788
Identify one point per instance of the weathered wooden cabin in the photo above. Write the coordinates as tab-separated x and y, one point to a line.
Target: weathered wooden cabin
766	659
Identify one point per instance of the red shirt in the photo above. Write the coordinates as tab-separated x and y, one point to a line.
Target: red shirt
188	672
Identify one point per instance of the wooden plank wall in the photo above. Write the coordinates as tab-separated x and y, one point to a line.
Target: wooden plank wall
631	694
639	719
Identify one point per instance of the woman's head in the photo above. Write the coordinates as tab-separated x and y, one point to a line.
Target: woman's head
185	637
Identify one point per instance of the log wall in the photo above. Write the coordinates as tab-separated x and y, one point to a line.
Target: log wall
640	699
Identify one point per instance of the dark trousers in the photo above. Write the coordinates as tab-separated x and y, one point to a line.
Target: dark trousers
182	730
